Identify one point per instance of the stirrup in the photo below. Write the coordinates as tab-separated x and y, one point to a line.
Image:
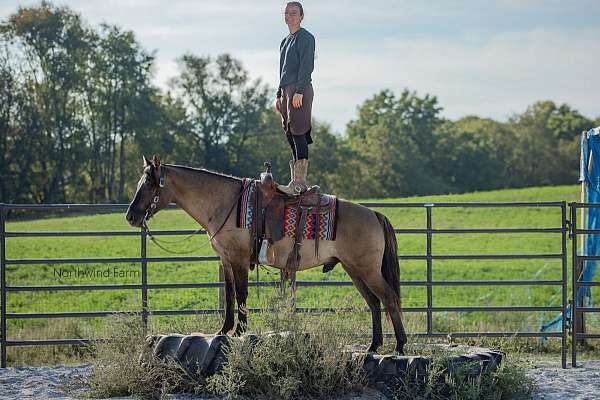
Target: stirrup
300	188
292	189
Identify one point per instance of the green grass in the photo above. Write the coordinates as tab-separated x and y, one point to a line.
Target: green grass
408	244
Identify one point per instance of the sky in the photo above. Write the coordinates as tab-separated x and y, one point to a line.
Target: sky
488	58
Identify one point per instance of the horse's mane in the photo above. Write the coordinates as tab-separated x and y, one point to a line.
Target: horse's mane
206	171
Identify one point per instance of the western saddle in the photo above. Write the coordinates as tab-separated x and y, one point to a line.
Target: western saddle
269	206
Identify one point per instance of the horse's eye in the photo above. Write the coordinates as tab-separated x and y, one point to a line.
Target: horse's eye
149	181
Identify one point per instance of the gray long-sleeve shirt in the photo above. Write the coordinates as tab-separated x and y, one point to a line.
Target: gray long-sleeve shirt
296	60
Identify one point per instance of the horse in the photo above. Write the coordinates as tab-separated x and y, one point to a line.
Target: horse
365	242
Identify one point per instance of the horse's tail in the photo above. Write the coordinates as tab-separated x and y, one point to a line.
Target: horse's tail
390	267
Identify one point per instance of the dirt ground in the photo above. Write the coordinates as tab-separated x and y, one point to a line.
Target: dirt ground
553	382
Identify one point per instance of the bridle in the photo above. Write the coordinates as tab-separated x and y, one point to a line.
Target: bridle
151	209
155	200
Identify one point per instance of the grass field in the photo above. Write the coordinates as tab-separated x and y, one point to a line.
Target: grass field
408	244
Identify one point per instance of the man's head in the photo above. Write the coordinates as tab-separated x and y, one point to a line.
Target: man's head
294	14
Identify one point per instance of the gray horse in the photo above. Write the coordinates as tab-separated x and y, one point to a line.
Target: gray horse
365	241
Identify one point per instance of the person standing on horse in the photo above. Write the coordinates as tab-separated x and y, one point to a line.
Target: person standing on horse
295	94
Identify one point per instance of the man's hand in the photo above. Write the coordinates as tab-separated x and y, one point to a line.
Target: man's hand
278	104
297	100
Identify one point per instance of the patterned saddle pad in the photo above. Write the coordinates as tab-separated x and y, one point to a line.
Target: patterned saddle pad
323	226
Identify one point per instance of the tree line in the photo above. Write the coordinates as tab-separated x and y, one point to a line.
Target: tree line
78	109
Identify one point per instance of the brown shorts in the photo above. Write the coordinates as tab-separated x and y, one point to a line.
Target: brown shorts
296	121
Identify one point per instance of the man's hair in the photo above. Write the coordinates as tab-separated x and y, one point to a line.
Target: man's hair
297	4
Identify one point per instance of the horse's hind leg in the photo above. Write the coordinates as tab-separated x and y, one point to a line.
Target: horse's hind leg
377	284
375	307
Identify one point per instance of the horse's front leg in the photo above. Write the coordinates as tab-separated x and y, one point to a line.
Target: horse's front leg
229	299
241	293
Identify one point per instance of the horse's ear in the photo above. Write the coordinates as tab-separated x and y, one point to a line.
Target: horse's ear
146	161
156	161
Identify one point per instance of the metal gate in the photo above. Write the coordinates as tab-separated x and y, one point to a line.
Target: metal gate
429	231
578	311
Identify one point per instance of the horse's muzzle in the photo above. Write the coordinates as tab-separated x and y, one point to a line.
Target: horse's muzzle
134	220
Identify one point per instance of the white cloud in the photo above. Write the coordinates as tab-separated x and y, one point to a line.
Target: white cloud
497	78
491	59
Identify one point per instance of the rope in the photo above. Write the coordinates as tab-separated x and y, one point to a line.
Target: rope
177	241
157	244
264	267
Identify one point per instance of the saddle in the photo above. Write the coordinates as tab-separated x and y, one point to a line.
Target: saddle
268	227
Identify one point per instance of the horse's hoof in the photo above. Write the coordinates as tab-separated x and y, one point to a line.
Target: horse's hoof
238	332
373	348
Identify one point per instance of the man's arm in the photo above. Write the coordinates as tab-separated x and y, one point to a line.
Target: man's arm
279	90
306	48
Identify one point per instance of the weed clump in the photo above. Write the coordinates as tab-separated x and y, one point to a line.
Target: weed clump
459	382
118	371
306	359
290	356
293	356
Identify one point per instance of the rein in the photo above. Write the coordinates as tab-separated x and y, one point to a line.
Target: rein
152	208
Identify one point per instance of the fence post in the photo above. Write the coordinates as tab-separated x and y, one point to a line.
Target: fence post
429	272
563	347
579	266
3	286
221	289
143	253
575	262
257	282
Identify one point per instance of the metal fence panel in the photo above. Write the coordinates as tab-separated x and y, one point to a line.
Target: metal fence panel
429	283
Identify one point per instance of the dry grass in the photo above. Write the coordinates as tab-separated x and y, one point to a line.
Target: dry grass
307	362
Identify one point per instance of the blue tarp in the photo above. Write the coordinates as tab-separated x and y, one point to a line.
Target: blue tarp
590	146
590	142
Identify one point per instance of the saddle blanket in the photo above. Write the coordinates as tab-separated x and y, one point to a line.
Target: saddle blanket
325	229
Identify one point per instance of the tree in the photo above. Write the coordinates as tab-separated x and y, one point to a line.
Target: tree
87	93
55	47
224	109
7	106
546	149
393	136
120	100
474	154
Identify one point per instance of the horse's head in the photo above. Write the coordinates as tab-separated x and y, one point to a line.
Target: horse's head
150	195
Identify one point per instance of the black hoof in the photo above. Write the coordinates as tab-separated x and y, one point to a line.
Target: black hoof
223	331
238	331
373	347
